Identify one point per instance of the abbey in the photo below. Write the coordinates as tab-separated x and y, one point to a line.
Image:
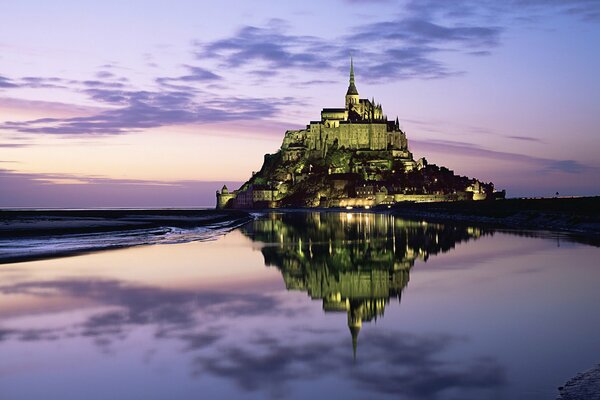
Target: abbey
360	125
352	157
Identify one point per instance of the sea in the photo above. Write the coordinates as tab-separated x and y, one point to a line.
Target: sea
300	305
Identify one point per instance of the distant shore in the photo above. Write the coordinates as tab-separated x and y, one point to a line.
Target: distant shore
577	215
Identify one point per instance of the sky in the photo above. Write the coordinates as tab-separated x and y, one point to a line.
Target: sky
158	104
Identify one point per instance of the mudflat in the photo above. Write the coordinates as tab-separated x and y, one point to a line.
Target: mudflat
20	223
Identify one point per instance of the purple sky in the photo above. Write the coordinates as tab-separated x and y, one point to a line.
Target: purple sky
156	104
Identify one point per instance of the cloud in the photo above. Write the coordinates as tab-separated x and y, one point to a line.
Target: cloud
469	149
396	363
525	10
104	74
526	138
269	45
401	48
408	45
141	110
68	190
14	145
587	10
145	305
196	74
418	31
7	83
389	362
568	166
36	82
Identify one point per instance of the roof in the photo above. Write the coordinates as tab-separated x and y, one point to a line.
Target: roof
352	90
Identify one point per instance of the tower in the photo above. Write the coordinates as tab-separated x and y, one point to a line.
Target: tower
352	93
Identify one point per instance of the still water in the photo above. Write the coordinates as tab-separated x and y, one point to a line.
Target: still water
306	305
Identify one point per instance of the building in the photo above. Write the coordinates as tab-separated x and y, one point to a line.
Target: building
332	161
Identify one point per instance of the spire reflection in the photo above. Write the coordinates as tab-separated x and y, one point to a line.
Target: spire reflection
354	262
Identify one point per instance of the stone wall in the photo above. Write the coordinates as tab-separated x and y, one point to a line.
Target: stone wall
351	136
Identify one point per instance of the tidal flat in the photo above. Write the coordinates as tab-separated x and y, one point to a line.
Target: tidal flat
306	304
35	234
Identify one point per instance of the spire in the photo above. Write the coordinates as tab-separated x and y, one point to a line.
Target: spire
352	87
354	330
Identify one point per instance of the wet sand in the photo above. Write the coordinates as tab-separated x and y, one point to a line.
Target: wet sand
20	223
583	386
35	234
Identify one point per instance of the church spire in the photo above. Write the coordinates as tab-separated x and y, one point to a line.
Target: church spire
352	87
352	93
351	71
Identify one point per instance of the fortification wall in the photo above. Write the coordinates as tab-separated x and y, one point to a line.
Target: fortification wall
350	136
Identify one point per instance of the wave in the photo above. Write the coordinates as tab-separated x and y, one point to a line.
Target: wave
26	248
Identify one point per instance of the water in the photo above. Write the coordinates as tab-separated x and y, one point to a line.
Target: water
73	243
306	305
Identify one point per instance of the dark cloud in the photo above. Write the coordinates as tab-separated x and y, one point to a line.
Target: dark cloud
150	109
568	166
196	74
407	45
104	74
524	10
271	366
53	82
402	47
36	82
200	340
588	10
140	305
269	45
176	102
29	335
526	138
362	2
396	363
7	83
412	365
103	84
406	63
422	32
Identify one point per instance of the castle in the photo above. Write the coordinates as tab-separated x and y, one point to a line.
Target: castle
355	263
352	157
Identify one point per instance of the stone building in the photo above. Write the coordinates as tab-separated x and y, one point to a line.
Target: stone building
330	161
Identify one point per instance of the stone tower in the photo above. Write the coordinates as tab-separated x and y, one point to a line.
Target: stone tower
352	93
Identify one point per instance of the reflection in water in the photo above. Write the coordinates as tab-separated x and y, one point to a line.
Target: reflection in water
354	262
208	319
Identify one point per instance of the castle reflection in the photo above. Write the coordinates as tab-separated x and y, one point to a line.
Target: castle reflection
355	262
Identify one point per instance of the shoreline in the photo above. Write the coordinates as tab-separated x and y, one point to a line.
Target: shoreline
28	235
37	234
23	223
578	217
575	216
